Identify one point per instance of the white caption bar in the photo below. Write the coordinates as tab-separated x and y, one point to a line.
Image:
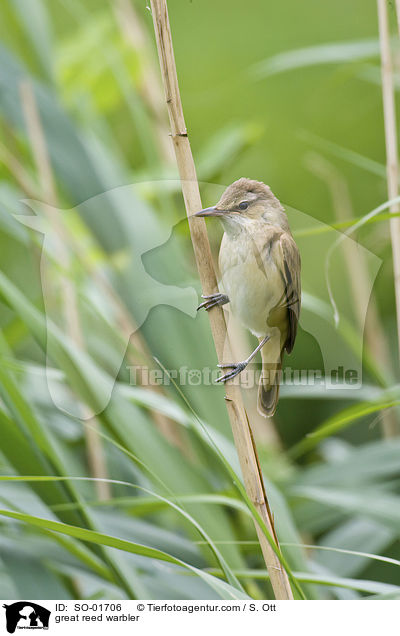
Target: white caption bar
183	617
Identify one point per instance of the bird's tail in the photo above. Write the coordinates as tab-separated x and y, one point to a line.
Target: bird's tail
268	389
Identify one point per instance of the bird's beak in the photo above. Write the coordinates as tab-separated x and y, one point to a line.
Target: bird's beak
213	211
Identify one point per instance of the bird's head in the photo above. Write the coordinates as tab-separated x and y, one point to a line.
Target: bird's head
244	201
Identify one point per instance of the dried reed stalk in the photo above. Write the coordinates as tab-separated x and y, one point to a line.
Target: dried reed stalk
149	87
398	14
392	161
358	275
245	446
94	447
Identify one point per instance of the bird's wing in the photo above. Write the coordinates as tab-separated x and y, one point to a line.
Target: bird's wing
290	265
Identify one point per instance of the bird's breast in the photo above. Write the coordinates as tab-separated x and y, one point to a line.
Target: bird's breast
254	284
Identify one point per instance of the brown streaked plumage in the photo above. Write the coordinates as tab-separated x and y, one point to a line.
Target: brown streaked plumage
260	269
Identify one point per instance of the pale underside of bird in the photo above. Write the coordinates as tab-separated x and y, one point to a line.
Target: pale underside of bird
260	274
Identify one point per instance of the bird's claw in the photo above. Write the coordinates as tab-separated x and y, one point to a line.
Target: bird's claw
213	300
236	369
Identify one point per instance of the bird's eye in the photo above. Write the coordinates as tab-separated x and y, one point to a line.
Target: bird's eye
243	205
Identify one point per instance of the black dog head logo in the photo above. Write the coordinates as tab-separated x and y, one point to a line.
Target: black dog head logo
26	614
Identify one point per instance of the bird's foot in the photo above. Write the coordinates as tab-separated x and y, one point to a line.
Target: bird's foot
213	300
236	369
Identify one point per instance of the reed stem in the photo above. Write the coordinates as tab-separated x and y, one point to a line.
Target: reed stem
243	438
94	446
392	161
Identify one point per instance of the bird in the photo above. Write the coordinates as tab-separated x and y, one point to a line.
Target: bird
260	267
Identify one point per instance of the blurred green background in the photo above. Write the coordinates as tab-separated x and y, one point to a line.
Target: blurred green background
131	497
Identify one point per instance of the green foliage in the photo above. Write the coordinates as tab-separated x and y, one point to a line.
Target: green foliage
177	522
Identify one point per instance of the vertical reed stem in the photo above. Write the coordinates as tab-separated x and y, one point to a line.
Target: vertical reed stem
398	14
392	162
357	268
94	447
245	446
